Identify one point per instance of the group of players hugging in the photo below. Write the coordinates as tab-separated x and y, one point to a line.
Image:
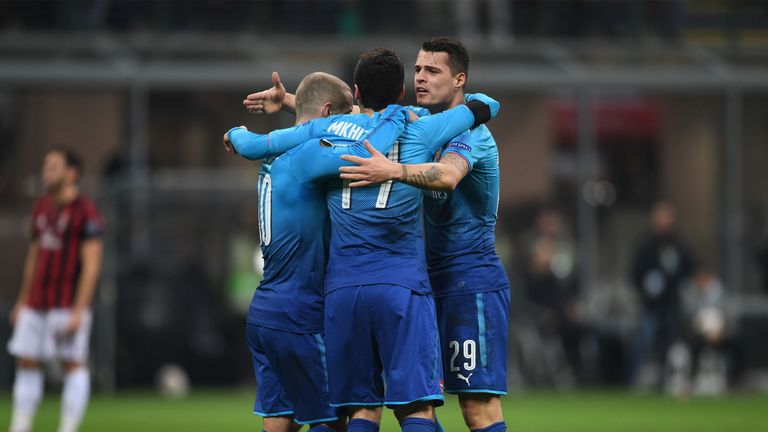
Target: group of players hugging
382	286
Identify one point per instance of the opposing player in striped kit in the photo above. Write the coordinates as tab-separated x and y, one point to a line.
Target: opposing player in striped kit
52	317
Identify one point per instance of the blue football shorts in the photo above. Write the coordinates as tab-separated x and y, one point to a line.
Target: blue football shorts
383	346
474	331
291	375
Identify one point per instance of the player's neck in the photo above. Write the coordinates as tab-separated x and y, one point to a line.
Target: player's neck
367	111
458	99
66	194
304	119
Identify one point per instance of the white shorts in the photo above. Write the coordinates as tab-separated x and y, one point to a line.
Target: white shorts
40	335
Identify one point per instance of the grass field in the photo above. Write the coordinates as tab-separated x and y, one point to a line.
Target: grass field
537	412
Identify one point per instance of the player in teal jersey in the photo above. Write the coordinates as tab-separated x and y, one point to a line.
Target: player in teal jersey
285	319
379	230
460	201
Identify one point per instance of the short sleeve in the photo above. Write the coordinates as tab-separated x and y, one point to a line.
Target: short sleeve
470	145
93	224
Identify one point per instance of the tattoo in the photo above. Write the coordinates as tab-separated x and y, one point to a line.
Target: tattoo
424	180
457	161
432	177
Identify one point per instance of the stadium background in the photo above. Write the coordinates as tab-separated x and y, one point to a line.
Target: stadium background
606	107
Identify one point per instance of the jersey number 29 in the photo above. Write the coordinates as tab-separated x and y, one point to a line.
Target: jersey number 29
469	354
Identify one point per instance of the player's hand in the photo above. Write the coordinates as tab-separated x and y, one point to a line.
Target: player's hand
375	169
268	101
228	146
75	321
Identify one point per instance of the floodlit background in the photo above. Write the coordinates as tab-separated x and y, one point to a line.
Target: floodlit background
607	107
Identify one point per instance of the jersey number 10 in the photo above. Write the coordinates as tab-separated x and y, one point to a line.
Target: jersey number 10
265	209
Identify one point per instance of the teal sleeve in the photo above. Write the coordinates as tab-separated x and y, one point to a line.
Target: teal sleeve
419	111
255	146
467	147
435	130
318	158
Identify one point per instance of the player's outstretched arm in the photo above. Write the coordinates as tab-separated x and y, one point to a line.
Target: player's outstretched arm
437	129
434	130
443	175
321	158
254	146
271	100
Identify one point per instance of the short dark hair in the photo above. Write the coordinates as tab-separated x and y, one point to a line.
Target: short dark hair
71	158
458	56
379	76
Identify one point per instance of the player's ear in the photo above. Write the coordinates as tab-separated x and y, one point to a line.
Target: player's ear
402	94
357	93
327	109
459	80
73	175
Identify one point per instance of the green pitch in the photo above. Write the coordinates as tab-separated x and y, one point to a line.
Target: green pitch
572	412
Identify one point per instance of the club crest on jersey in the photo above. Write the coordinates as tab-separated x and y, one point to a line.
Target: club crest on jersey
49	240
347	130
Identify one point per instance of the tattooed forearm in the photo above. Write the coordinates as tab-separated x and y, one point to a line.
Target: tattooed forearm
459	162
423	179
444	175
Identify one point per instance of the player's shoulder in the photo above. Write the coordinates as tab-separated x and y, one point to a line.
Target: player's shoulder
86	204
355	117
42	204
325	121
419	111
481	132
481	137
339	122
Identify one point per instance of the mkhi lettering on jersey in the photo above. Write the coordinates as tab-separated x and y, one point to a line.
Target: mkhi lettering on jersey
347	130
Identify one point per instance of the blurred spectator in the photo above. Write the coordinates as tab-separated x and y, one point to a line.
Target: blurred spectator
661	264
710	332
551	285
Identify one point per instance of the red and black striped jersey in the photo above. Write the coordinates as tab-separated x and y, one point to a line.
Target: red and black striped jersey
60	231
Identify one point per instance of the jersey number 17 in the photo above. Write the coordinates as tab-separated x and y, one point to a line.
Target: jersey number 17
384	190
